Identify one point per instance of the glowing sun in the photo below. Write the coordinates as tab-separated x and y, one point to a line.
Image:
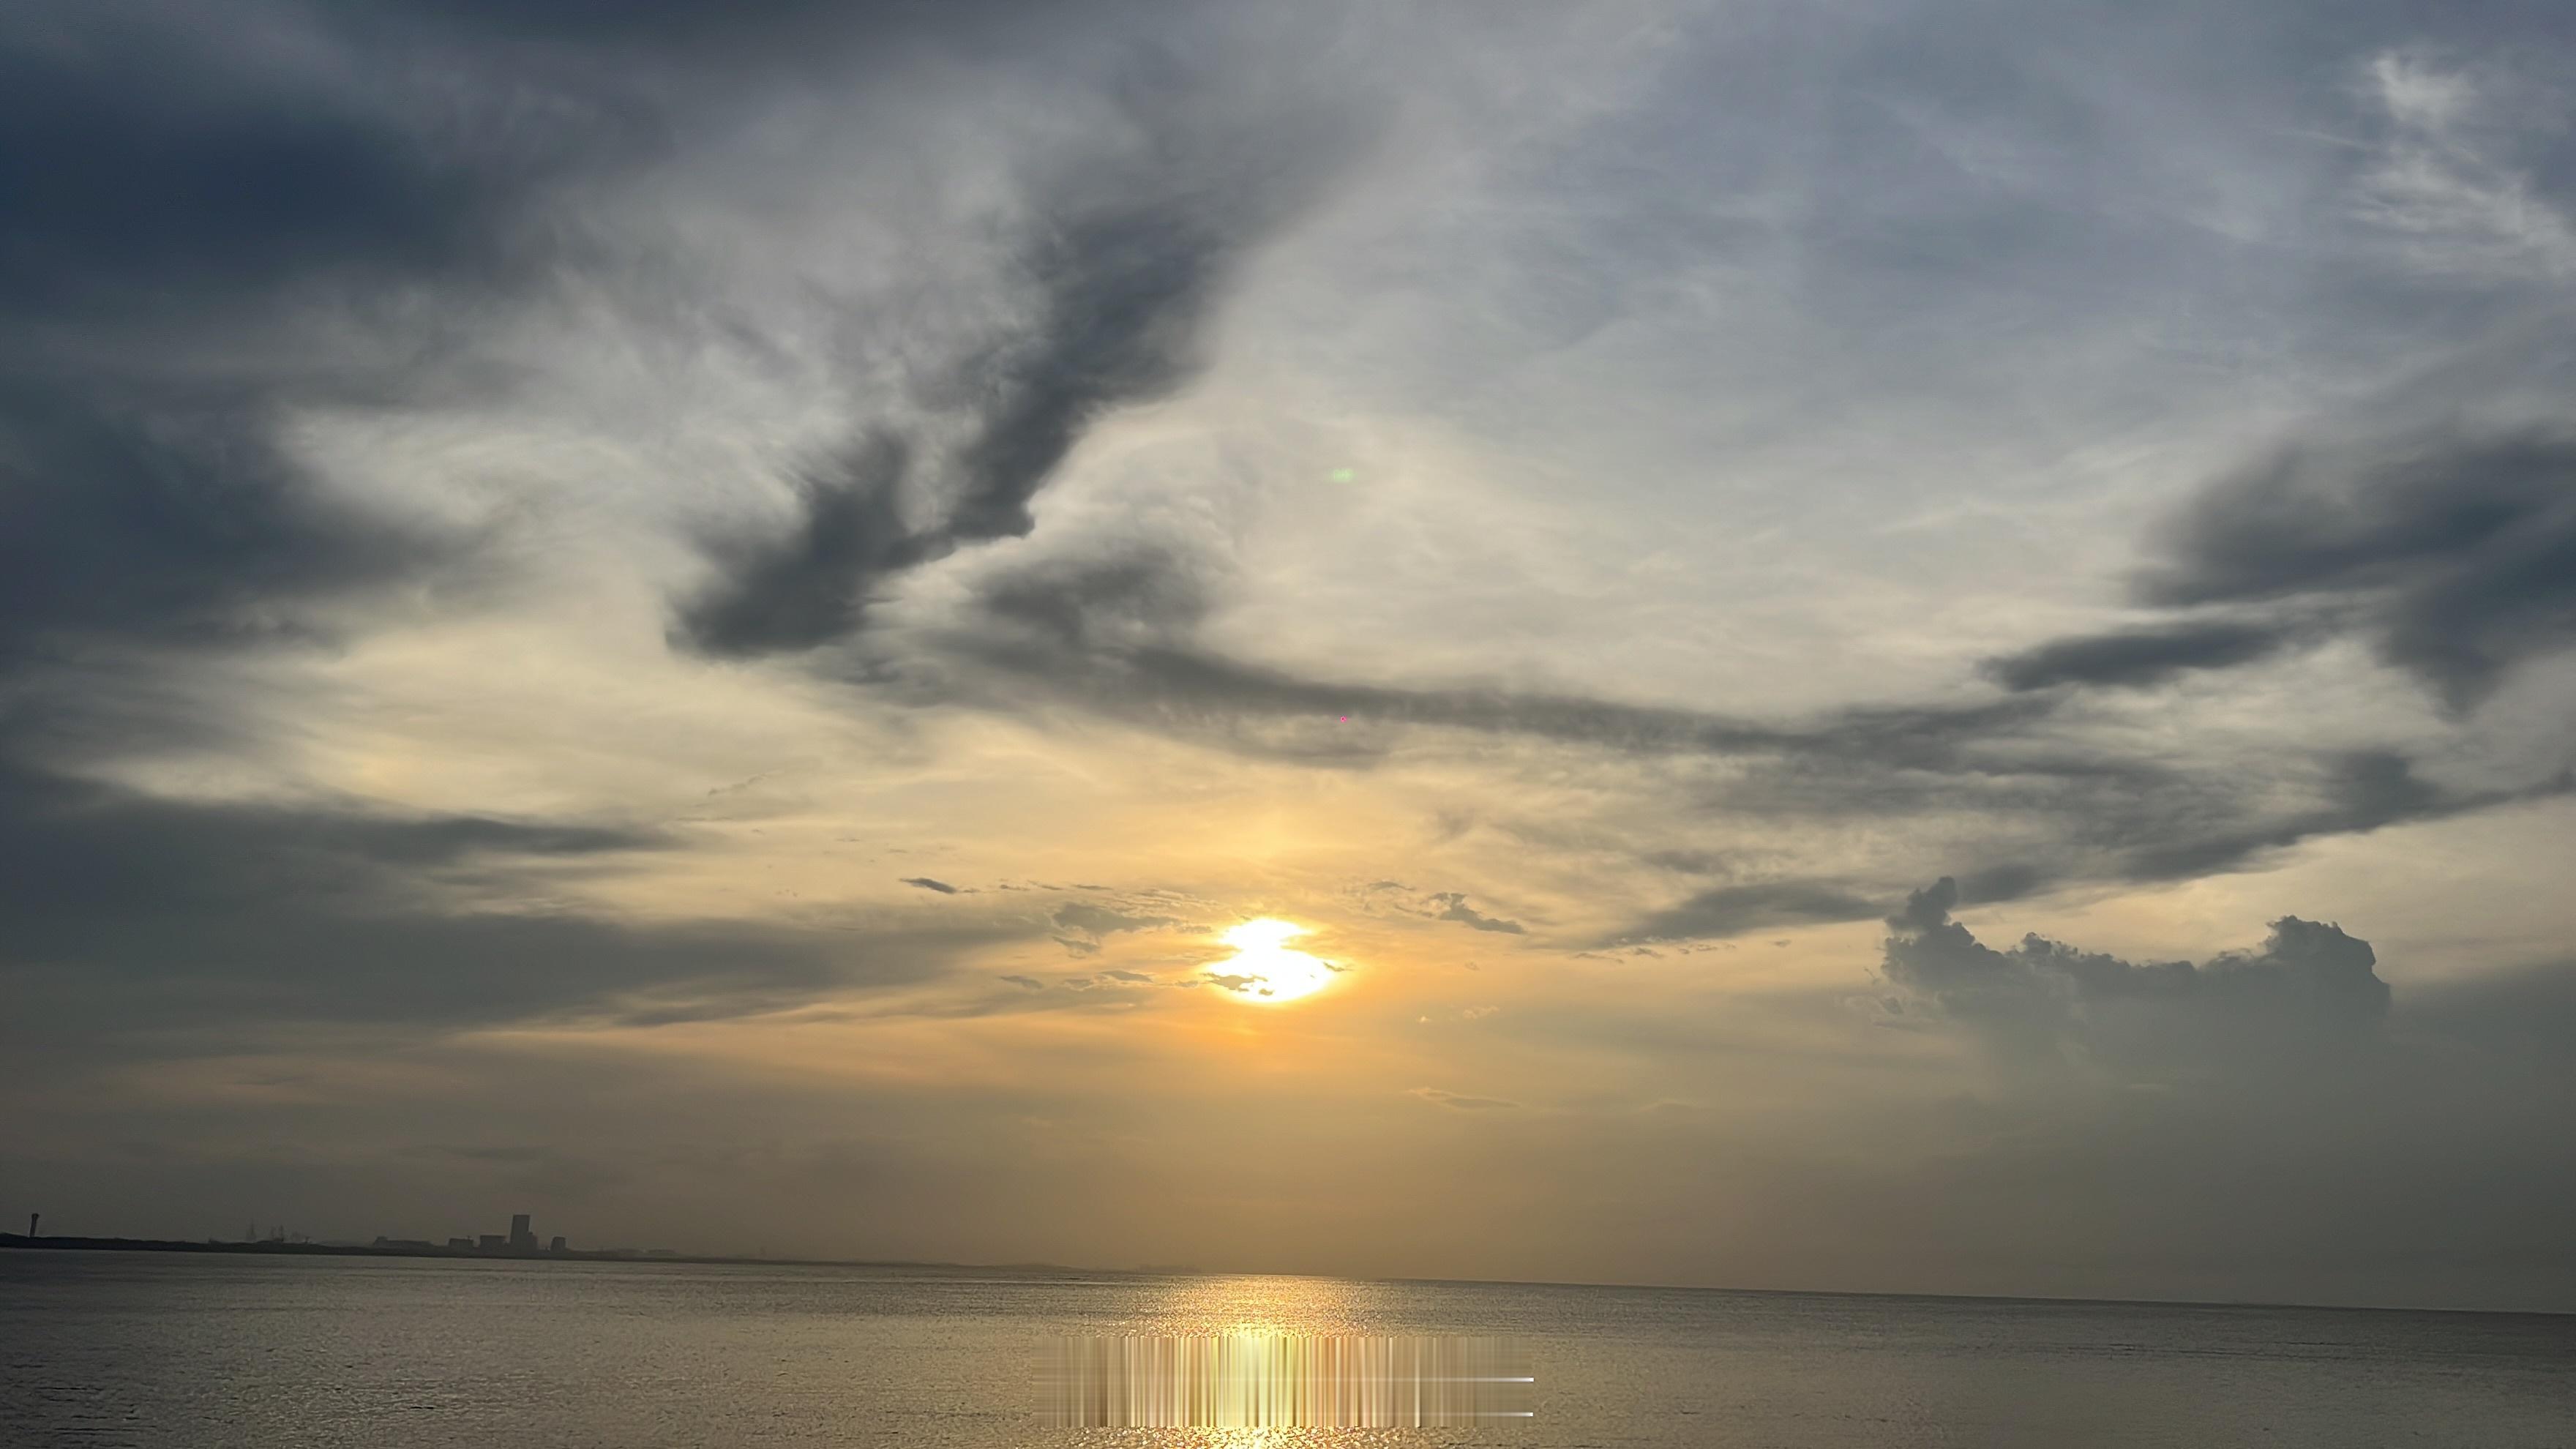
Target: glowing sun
1262	967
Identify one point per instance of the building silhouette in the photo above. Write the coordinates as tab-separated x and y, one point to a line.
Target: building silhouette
520	1241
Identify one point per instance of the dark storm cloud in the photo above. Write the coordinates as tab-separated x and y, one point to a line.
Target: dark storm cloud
128	913
2362	516
198	203
176	199
2451	550
1120	271
137	514
214	221
2130	826
1737	910
160	166
1114	633
770	30
2359	792
926	883
1123	299
1137	592
2136	657
1126	294
807	587
182	191
1919	734
72	843
623	24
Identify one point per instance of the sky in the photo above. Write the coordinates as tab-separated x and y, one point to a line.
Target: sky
1859	645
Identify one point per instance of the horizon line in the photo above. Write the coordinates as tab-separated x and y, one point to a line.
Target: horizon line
78	1243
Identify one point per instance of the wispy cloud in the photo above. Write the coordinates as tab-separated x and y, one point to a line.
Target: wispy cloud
1438	1097
2438	179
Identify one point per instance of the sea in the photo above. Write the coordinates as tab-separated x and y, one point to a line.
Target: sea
275	1352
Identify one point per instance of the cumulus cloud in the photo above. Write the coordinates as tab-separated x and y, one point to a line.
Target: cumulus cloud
2308	983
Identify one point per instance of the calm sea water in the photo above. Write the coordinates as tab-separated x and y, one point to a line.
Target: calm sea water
169	1349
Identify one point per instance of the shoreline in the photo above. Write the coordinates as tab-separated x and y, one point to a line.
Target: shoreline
67	1243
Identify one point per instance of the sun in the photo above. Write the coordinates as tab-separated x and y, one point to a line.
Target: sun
1263	968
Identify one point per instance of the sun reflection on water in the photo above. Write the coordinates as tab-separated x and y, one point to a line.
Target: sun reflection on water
1268	1320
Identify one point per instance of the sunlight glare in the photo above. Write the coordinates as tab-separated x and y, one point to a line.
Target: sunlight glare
1264	969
